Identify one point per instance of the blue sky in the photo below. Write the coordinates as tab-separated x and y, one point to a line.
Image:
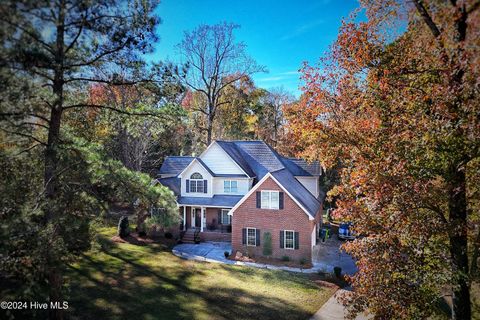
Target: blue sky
279	34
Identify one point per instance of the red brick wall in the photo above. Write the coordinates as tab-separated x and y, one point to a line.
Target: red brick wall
292	217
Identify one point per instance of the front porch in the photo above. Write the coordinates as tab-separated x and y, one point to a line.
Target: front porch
211	224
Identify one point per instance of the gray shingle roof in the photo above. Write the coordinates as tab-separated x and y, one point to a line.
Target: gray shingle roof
174	165
173	183
297	190
262	158
300	167
217	200
257	159
231	149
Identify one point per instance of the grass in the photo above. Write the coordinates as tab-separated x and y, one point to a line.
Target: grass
121	281
475	292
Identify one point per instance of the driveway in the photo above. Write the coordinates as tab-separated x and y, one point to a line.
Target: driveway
327	255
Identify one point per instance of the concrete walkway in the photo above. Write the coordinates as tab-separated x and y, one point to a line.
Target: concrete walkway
334	310
214	252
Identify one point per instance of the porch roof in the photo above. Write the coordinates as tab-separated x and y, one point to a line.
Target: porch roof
225	201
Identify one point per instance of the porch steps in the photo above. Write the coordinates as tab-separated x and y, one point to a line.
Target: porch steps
189	236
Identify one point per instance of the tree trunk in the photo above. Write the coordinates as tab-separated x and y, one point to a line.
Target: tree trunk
209	124
458	247
51	160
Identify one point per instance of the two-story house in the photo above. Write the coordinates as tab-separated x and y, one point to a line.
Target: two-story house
239	191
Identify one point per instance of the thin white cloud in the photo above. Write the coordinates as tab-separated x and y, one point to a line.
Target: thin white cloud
281	76
298	31
288	73
271	79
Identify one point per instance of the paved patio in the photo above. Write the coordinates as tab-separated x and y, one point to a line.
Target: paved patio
326	256
205	251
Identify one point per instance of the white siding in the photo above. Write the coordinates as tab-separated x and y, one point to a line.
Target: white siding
219	161
311	183
196	167
243	185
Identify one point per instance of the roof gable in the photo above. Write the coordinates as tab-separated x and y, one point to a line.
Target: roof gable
303	198
197	161
224	161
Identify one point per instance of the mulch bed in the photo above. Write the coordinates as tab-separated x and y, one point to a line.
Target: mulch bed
271	261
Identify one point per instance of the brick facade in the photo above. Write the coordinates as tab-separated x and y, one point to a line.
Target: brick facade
292	217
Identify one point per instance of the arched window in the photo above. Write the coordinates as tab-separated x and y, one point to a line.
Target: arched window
196	176
196	183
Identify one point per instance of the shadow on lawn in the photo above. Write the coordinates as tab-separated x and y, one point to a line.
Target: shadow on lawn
120	287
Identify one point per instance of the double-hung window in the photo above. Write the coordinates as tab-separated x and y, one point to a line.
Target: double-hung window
230	186
270	199
251	237
225	217
289	239
196	182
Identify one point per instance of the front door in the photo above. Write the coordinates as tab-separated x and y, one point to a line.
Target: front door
198	216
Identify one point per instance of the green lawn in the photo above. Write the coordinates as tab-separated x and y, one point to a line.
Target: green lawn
122	281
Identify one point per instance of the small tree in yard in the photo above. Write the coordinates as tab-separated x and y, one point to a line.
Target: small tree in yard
267	244
123	227
163	218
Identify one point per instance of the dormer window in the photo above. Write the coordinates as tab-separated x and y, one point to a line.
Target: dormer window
197	184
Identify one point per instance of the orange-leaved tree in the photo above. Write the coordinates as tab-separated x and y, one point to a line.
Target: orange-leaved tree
396	104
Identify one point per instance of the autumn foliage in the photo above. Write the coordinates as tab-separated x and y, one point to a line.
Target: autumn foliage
399	113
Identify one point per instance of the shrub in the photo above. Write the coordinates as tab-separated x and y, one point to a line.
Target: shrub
123	227
226	254
303	261
142	234
267	244
337	271
168	235
285	258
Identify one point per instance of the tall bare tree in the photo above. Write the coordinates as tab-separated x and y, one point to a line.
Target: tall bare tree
214	60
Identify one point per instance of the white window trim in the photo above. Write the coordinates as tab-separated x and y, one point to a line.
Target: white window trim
230	186
229	217
270	199
196	185
285	239
255	242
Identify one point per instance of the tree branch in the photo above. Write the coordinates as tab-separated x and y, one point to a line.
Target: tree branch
96	106
13	114
426	17
23	135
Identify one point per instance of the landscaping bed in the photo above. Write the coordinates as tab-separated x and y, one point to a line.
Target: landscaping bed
237	256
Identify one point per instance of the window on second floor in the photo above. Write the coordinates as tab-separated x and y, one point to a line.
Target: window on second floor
230	186
196	183
270	200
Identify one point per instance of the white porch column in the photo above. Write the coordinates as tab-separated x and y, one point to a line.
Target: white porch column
184	217
192	216
201	218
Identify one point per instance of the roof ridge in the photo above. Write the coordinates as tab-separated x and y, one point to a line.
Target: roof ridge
180	156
